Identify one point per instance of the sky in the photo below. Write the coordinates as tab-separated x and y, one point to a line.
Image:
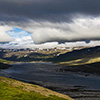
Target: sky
49	23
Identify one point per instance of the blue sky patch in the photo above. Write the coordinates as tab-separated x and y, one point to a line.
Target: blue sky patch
18	33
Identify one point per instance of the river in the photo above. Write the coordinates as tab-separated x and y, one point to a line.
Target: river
47	75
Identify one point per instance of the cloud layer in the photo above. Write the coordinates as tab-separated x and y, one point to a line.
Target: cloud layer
80	29
51	20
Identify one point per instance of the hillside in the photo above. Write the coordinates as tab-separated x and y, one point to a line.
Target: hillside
27	55
69	58
5	61
82	55
11	89
85	60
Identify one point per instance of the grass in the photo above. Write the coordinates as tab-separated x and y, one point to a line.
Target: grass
5	61
15	90
81	61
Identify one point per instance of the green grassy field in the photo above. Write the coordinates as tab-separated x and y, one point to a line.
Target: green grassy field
15	90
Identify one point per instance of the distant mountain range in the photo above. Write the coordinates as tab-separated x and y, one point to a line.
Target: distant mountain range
86	54
79	56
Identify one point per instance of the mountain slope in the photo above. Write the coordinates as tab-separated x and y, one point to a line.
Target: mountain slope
84	54
85	60
15	90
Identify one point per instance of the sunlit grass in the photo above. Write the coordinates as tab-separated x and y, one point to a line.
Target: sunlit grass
15	90
80	61
5	61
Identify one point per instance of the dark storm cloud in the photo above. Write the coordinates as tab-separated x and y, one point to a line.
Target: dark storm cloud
52	20
48	9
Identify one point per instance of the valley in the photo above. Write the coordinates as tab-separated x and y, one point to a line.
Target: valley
82	64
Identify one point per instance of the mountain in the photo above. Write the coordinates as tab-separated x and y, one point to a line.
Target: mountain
73	57
85	61
82	55
26	56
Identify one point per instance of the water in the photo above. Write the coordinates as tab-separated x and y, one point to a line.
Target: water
46	74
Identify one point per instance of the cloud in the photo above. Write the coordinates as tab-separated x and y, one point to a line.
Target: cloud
20	36
82	28
52	10
51	20
3	36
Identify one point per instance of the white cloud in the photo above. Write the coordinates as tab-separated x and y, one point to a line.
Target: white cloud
82	28
3	36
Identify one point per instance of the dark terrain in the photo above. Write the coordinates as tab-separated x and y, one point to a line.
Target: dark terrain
90	52
4	66
93	68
